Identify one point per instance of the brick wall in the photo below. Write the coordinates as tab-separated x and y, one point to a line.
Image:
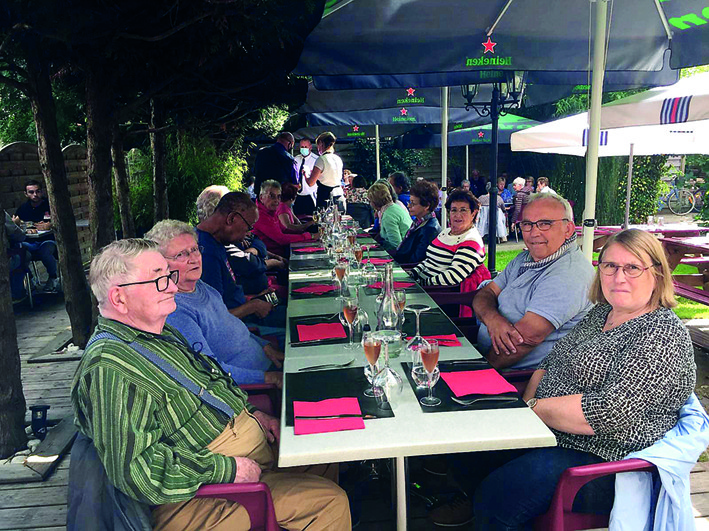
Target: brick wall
19	163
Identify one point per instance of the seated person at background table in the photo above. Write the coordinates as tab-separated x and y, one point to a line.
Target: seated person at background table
613	385
268	227
158	441
401	185
394	219
543	186
541	294
201	316
422	204
232	218
503	192
289	223
465	185
478	183
18	255
43	248
456	255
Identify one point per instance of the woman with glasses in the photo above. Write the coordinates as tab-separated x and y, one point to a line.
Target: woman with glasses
613	385
268	227
200	314
456	255
423	200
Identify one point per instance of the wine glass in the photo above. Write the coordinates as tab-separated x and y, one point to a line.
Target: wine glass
350	307
352	237
339	273
372	345
415	343
369	266
429	360
387	378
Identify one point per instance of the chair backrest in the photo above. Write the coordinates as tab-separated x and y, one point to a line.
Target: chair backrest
255	497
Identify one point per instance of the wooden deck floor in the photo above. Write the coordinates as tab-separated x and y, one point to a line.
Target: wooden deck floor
42	506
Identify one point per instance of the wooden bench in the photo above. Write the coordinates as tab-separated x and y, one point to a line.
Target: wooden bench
691	293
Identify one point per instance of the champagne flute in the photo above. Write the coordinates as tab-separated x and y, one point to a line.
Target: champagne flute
429	359
352	237
372	347
350	307
339	272
400	297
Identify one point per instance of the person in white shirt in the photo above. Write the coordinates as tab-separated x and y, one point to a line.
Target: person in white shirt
327	172
305	161
543	186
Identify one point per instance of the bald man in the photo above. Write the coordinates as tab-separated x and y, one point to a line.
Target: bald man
276	162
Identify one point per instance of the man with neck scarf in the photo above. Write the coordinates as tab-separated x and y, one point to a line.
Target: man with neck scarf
541	294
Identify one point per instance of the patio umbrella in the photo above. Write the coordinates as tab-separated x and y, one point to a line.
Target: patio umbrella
569	136
393	37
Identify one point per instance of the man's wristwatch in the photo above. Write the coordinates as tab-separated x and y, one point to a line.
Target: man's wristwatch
532	402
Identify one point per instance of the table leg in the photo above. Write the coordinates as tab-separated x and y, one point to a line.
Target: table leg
402	491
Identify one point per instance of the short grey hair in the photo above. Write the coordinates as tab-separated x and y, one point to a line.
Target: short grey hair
269	185
163	232
116	263
208	200
519	180
568	211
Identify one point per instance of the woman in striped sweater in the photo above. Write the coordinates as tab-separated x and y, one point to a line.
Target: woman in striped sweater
455	257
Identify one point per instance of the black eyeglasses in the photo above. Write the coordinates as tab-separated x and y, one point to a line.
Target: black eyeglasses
542	224
249	225
161	283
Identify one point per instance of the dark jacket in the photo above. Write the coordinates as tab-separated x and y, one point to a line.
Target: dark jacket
413	248
93	502
250	270
275	163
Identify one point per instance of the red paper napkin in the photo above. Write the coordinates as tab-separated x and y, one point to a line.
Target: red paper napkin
321	331
482	382
308	249
318	289
327	408
378	261
444	340
397	285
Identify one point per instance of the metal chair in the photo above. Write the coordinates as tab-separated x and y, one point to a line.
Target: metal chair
561	517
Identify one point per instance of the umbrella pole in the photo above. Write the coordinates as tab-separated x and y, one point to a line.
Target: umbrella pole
627	191
594	131
492	184
467	161
376	150
444	152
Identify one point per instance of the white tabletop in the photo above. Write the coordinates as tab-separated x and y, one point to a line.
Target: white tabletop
410	432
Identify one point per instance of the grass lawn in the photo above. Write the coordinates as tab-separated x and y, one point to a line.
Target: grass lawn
685	310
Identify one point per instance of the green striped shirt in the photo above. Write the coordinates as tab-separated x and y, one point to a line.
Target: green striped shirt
150	432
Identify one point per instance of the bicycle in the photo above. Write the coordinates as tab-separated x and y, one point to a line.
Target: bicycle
680	201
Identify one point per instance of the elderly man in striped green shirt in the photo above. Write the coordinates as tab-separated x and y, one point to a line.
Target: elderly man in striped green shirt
158	440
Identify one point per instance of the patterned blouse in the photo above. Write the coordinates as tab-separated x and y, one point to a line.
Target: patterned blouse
633	378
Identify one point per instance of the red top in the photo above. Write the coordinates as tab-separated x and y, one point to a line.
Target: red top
269	229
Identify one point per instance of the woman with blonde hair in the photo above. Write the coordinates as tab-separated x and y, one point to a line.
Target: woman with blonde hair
394	219
327	172
613	385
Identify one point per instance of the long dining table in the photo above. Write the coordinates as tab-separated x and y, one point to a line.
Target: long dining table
411	431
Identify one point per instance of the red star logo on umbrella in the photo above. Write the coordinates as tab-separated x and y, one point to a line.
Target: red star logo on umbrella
355	128
489	46
481	134
410	91
403	111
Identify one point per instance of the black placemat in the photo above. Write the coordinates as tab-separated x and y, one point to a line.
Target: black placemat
433	323
293	322
413	289
442	391
313	386
296	295
297	252
309	265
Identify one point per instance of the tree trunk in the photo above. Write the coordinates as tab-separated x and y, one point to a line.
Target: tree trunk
12	400
120	175
98	144
157	143
76	289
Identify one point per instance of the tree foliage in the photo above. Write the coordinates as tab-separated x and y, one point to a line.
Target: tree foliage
391	159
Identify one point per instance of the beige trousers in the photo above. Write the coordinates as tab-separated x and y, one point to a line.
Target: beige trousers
301	500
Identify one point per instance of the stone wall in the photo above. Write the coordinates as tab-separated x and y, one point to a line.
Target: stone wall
19	163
